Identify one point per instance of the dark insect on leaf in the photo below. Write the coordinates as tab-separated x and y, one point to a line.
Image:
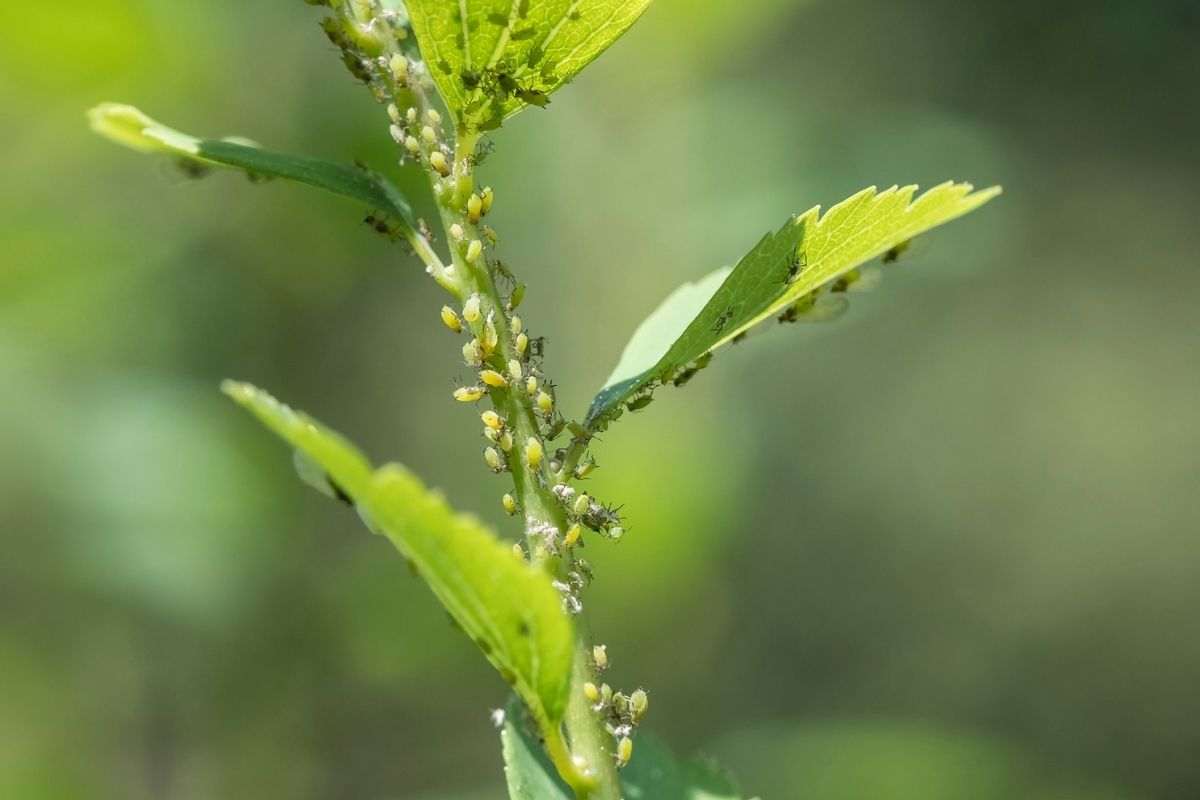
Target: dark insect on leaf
523	34
534	97
498	19
638	403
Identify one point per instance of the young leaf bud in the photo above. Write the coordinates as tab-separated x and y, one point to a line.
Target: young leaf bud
468	394
514	369
510	503
624	751
474	249
474	209
492	457
517	296
638	703
437	160
591	692
471	309
492	420
493	378
451	319
457	233
545	402
522	344
533	453
486	197
572	537
600	656
582	504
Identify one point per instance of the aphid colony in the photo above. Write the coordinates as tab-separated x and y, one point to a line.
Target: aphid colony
620	713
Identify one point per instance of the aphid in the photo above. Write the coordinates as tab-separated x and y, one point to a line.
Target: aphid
486	194
518	294
556	428
624	751
471	311
437	160
591	692
518	551
492	456
531	385
514	369
474	208
600	656
434	117
451	319
585	469
469	394
581	504
533	97
412	145
457	233
429	136
893	254
493	378
638	403
639	702
723	320
482	151
537	346
490	235
741	337
616	532
501	270
425	231
606	694
380	225
505	440
492	419
796	266
510	503
472	354
473	250
572	537
545	402
533	453
516	324
490	337
399	66
845	281
522	344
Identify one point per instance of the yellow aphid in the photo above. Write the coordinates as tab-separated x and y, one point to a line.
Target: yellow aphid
493	378
591	692
490	338
474	208
514	369
522	344
457	233
437	160
486	196
473	250
492	420
573	534
616	533
624	751
582	504
399	67
600	656
451	319
516	324
506	441
531	386
606	694
533	453
433	116
545	402
411	114
471	353
540	553
428	134
510	503
412	145
492	435
585	469
471	309
394	113
492	457
518	551
638	703
468	394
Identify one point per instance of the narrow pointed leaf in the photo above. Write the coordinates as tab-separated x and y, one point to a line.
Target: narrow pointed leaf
507	607
788	269
652	774
492	58
128	126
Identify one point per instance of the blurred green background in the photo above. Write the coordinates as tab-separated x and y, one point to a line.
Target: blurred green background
945	548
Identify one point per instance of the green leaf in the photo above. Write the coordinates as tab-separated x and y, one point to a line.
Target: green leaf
507	607
791	271
130	127
492	58
652	774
